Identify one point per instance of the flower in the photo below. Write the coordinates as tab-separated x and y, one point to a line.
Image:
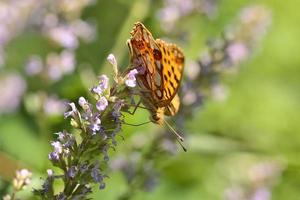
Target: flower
101	104
98	177
57	147
112	60
72	171
64	36
237	52
53	106
97	90
130	79
72	112
82	102
50	172
12	89
34	65
95	126
103	82
22	179
53	156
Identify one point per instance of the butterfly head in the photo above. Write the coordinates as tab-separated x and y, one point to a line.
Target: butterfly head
157	117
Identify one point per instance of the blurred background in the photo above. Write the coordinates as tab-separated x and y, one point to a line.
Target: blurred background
242	126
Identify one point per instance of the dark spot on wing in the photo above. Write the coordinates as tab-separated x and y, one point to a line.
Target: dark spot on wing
176	78
157	54
165	77
169	92
172	84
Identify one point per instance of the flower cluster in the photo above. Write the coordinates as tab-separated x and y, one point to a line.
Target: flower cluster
55	66
174	10
22	179
224	55
60	22
99	122
13	86
13	16
258	183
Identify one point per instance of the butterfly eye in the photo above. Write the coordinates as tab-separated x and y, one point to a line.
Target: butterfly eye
157	54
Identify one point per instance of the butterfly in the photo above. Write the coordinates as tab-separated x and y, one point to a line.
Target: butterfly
160	68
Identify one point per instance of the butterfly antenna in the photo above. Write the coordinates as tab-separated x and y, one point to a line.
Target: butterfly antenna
179	138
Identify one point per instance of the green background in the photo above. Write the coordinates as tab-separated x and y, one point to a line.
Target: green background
259	121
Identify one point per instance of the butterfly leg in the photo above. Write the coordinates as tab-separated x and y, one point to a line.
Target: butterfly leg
135	108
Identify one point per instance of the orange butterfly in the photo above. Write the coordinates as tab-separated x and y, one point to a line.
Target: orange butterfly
160	66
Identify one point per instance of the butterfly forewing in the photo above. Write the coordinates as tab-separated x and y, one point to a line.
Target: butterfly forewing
172	68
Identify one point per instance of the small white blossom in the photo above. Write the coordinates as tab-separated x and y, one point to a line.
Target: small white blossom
50	172
101	104
130	79
112	60
57	147
82	101
22	179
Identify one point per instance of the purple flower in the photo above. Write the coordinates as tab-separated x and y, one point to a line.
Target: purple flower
95	126
112	60
130	79
72	171
53	156
64	36
103	82
57	147
98	177
54	106
61	136
101	104
72	112
12	89
262	193
237	52
34	65
97	90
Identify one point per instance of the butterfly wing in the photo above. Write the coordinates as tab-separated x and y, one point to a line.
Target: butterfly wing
160	66
145	57
172	69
